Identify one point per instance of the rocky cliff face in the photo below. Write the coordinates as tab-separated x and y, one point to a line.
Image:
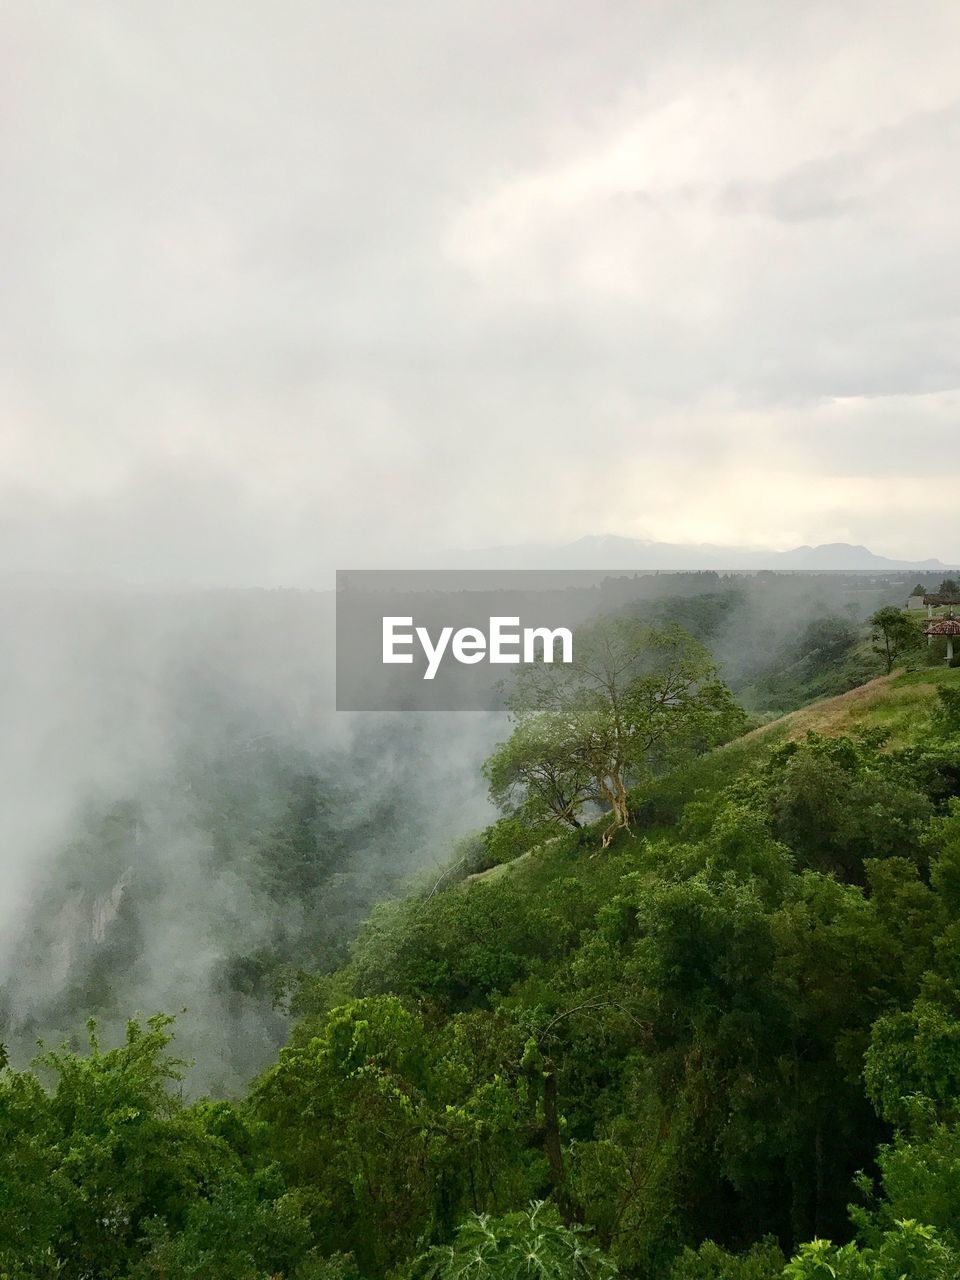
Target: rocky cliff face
61	950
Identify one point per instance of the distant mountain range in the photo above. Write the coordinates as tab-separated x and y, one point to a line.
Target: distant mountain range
611	552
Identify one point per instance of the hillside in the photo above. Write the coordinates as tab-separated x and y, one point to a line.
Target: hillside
197	790
691	1052
673	964
902	706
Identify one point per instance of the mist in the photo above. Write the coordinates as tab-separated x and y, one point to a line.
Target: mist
292	288
156	749
302	288
186	824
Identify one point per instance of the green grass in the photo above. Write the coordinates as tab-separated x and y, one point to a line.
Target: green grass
902	705
936	676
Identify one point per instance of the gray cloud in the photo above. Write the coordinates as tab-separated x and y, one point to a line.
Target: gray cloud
292	285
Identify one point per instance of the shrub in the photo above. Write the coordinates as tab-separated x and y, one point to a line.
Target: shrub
533	1245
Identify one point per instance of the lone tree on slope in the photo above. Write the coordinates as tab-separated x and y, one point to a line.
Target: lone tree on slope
894	635
634	700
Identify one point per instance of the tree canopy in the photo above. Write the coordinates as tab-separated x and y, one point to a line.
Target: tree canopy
635	700
726	1048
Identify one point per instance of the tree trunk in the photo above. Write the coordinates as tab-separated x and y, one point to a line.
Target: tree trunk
552	1146
616	794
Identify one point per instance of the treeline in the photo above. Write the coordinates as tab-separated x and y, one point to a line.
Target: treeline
245	857
726	1046
271	845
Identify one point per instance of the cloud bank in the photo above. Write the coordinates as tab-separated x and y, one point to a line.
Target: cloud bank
293	286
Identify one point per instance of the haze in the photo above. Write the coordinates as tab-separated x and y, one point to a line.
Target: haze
294	285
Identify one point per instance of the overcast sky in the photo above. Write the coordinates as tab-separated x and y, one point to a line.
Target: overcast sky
295	284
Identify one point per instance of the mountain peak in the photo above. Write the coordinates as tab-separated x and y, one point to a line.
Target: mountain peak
616	552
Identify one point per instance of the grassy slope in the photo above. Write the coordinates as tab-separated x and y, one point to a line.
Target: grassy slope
901	704
789	685
538	913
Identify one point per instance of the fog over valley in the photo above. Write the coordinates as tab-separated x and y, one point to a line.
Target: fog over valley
186	821
183	814
479	640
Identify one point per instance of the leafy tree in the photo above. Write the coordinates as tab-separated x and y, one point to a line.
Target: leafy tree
827	638
350	1116
894	635
763	1261
88	1164
911	1251
533	1245
393	1132
920	1179
456	950
633	700
510	836
245	1228
837	802
947	716
538	772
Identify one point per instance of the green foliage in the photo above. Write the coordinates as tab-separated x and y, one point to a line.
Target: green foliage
633	701
460	948
920	1179
826	640
87	1164
895	635
763	1261
838	802
248	1228
911	1251
915	1055
947	719
534	1245
539	772
392	1130
707	1038
828	657
511	836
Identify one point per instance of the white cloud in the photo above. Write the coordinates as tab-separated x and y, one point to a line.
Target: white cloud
293	285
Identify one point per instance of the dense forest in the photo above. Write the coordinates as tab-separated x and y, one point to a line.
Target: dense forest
687	1007
188	825
479	640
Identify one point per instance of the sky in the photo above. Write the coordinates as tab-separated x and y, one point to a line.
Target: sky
298	285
